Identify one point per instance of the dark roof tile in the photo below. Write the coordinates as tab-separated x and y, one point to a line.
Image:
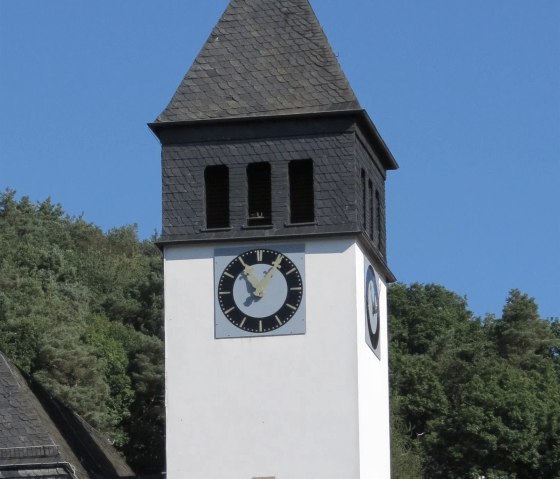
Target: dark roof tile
40	437
263	58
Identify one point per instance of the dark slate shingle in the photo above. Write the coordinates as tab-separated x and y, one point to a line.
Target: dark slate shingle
42	438
19	425
264	57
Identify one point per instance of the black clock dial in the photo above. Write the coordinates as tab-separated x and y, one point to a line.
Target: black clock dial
260	290
372	307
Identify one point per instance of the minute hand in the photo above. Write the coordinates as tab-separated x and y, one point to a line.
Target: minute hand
264	282
249	273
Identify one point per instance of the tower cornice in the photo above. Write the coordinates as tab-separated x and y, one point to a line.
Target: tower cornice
360	236
227	129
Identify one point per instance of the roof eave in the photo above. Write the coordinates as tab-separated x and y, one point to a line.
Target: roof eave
158	125
361	114
390	162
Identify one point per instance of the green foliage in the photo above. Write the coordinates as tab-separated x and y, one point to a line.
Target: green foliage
406	462
478	398
81	311
521	335
148	408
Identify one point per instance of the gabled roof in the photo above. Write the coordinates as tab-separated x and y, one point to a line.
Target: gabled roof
263	58
41	438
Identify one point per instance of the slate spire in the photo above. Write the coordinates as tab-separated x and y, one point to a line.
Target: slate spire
263	58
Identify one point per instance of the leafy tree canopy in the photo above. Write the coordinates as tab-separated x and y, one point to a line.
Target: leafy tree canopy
474	398
81	312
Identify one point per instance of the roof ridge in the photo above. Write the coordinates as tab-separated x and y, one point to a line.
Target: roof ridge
10	369
21	452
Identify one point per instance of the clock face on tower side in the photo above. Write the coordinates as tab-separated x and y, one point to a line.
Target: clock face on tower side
258	292
372	310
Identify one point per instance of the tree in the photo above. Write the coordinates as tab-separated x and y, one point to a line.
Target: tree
474	398
521	335
81	311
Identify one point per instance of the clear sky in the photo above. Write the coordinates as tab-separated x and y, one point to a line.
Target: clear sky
465	93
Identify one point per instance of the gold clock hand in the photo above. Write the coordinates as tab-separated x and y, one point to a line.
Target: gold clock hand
249	273
264	282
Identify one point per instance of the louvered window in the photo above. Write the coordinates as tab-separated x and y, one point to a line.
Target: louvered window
378	214
302	208
259	194
216	182
364	201
370	189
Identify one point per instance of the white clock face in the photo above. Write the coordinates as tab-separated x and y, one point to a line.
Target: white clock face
372	306
372	310
249	300
258	291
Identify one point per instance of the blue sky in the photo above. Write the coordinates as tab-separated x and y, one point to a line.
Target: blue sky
465	93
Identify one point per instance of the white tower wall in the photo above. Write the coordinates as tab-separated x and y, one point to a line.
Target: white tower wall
373	385
283	407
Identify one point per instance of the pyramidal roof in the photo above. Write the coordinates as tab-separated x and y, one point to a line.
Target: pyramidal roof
263	58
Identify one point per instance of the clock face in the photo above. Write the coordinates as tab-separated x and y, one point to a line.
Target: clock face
372	310
259	291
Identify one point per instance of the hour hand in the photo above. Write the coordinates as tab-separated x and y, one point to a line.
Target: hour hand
248	270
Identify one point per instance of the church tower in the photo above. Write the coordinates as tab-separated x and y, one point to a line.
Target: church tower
275	258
